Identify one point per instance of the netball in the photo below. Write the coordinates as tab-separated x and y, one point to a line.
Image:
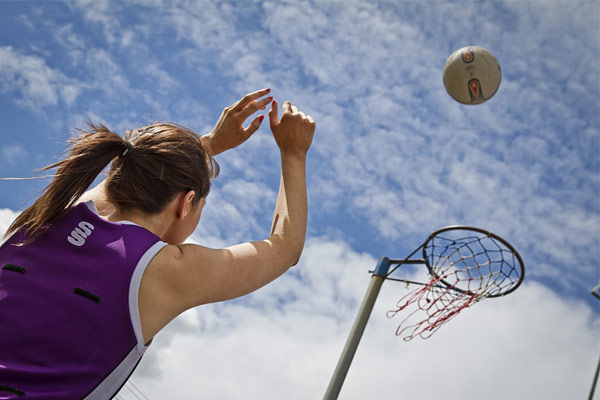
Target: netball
472	75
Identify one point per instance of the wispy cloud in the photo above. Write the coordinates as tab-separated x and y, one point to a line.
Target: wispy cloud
296	327
393	158
391	146
295	330
100	13
6	218
13	154
237	211
35	83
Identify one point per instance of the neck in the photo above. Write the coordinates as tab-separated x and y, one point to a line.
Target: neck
158	223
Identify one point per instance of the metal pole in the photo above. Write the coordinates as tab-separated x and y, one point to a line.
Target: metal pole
595	381
596	293
337	380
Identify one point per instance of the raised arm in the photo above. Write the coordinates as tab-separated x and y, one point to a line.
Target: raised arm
293	135
190	275
228	132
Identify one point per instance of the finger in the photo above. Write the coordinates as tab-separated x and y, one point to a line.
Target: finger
310	119
294	110
255	106
250	97
273	116
253	127
302	114
287	108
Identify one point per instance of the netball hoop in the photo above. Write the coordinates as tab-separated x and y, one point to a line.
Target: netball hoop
466	265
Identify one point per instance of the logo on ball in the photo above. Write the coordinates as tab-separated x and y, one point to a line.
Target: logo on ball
475	91
468	56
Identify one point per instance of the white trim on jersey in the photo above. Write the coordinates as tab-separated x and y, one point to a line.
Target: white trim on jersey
111	384
115	380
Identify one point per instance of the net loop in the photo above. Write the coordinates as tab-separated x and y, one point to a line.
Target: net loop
466	265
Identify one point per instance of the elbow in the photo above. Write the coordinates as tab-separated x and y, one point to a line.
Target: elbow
295	262
295	256
289	251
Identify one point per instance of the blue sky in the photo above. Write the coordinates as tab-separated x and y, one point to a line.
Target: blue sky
394	158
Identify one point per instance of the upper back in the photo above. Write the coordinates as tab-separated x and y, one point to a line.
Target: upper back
68	302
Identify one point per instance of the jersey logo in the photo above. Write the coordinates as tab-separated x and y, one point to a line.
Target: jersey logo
79	234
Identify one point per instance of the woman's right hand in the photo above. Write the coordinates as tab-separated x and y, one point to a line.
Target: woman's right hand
294	132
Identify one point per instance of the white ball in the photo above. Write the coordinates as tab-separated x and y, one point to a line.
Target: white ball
472	75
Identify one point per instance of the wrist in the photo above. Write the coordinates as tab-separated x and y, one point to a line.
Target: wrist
208	145
298	156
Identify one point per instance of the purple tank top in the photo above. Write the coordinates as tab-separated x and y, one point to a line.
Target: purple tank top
69	320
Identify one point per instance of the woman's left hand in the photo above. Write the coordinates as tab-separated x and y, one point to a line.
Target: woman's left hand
229	131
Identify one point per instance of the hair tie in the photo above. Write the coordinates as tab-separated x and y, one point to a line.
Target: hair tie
128	150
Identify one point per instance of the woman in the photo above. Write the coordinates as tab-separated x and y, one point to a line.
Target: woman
89	278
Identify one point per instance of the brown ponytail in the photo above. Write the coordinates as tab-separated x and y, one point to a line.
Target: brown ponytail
155	164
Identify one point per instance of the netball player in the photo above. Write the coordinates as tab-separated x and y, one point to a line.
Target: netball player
88	278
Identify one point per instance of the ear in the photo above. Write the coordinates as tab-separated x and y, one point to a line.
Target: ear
185	204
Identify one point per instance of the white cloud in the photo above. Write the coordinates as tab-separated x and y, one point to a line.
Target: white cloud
37	84
68	37
13	154
391	147
163	82
106	72
7	216
238	211
100	13
208	25
284	341
407	158
393	153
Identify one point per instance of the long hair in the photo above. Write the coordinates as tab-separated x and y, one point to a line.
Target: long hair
150	166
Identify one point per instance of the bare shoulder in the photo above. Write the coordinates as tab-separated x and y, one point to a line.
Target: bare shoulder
164	272
177	274
161	297
167	255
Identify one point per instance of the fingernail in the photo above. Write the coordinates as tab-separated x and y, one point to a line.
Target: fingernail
261	117
268	89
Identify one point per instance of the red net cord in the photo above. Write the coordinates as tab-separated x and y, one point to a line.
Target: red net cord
440	304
